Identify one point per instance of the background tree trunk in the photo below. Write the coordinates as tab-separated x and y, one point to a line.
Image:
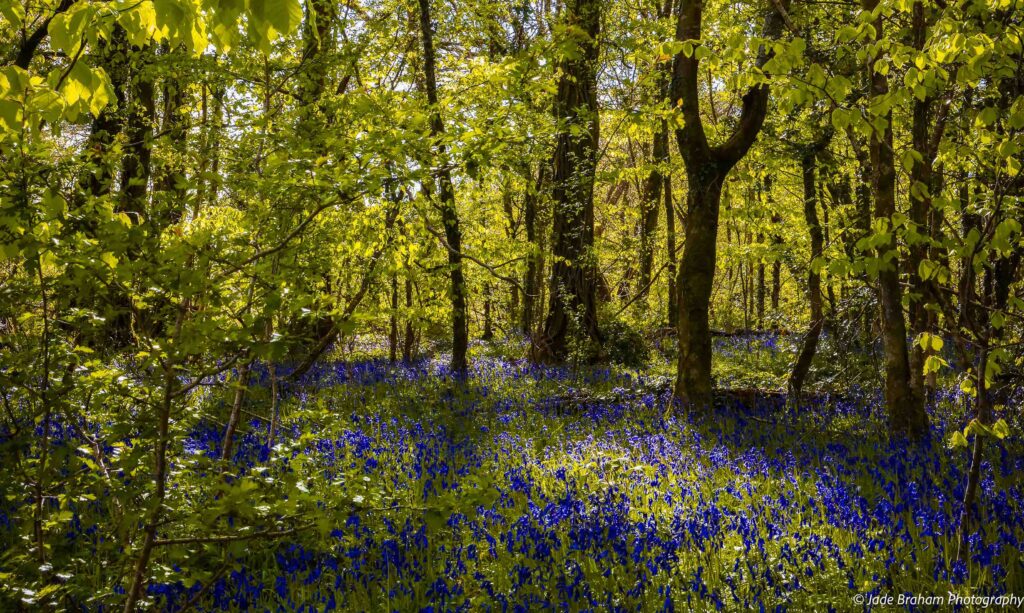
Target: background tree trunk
802	365
446	202
574	275
651	203
531	281
670	243
905	408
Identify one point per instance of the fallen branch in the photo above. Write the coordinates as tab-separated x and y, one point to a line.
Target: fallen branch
231	538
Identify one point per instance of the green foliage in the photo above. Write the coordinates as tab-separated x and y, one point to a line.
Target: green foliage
188	187
625	345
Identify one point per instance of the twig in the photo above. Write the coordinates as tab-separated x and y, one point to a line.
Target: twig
231	538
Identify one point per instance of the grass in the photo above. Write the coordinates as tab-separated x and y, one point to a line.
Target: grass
414	491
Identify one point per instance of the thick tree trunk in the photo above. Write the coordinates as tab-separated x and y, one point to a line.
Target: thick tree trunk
446	202
136	168
98	178
573	295
926	132
802	365
319	44
920	203
695	279
906	410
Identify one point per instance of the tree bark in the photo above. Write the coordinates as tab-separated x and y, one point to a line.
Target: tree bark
573	295
926	131
651	203
802	365
136	169
670	244
531	282
105	127
761	290
446	201
410	331
488	333
983	414
319	44
241	387
393	321
155	513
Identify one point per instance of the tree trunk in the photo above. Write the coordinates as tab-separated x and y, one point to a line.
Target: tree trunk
241	387
573	295
155	512
695	279
924	139
983	415
670	243
906	410
651	203
136	168
488	323
863	222
531	282
776	221
761	293
275	405
393	322
810	343
318	42
446	202
105	127
410	332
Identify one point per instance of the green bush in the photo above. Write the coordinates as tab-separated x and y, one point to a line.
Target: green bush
625	344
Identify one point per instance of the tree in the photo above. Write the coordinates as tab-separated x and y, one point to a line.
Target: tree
707	167
802	365
573	292
446	200
906	409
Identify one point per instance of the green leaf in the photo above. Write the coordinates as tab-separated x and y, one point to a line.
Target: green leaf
102	90
957	441
998	320
1000	429
281	15
67	30
934	364
930	341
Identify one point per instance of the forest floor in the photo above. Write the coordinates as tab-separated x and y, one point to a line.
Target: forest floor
498	493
